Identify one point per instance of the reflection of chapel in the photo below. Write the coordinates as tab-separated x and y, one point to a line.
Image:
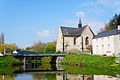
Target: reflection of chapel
74	38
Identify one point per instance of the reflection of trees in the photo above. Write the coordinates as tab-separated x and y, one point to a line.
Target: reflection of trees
38	76
50	76
8	69
7	77
44	76
45	67
46	59
7	72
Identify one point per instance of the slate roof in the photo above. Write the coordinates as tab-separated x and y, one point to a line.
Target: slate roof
74	32
108	33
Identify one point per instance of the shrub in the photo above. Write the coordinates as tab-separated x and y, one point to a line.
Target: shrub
50	48
8	60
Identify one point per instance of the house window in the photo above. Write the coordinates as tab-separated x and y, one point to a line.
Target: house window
102	46
87	41
102	38
74	41
108	45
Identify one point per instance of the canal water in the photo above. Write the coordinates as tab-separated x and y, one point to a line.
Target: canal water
38	71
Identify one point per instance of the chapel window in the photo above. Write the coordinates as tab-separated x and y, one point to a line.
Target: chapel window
87	41
74	41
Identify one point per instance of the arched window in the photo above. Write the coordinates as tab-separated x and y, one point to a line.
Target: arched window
74	41
86	41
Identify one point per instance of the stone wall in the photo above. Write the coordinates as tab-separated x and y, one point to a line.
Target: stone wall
59	46
87	33
69	41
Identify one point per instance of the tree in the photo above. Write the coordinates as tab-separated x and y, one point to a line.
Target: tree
7	48
36	47
50	47
39	46
112	24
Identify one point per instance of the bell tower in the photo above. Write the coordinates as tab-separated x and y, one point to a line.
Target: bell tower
80	23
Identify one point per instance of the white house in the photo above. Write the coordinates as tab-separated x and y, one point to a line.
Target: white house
107	43
74	38
1	54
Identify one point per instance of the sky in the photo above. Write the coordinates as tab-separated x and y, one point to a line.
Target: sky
27	21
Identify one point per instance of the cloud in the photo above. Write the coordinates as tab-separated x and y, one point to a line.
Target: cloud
44	33
80	14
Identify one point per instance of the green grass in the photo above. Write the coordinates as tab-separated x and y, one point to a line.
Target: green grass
92	61
89	70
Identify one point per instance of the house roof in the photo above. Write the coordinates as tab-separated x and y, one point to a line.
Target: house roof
108	33
74	32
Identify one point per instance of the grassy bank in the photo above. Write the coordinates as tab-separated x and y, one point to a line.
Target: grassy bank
8	61
93	61
89	70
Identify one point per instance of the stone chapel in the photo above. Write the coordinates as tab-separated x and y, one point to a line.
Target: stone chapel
74	38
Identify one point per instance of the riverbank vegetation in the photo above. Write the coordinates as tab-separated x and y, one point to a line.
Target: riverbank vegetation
89	70
42	47
7	48
8	61
93	61
6	64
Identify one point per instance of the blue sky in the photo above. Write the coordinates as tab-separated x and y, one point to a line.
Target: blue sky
27	21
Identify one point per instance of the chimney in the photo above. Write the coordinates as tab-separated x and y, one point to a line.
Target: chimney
118	27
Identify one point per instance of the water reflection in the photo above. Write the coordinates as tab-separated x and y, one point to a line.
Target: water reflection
48	72
63	77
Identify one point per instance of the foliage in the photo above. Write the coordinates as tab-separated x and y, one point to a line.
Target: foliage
46	76
50	48
39	46
8	48
45	66
36	47
46	59
112	24
8	69
50	76
8	60
37	76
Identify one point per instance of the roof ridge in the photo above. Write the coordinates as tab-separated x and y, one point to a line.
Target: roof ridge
68	27
107	31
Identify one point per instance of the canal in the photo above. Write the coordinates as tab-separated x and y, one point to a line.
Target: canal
38	71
